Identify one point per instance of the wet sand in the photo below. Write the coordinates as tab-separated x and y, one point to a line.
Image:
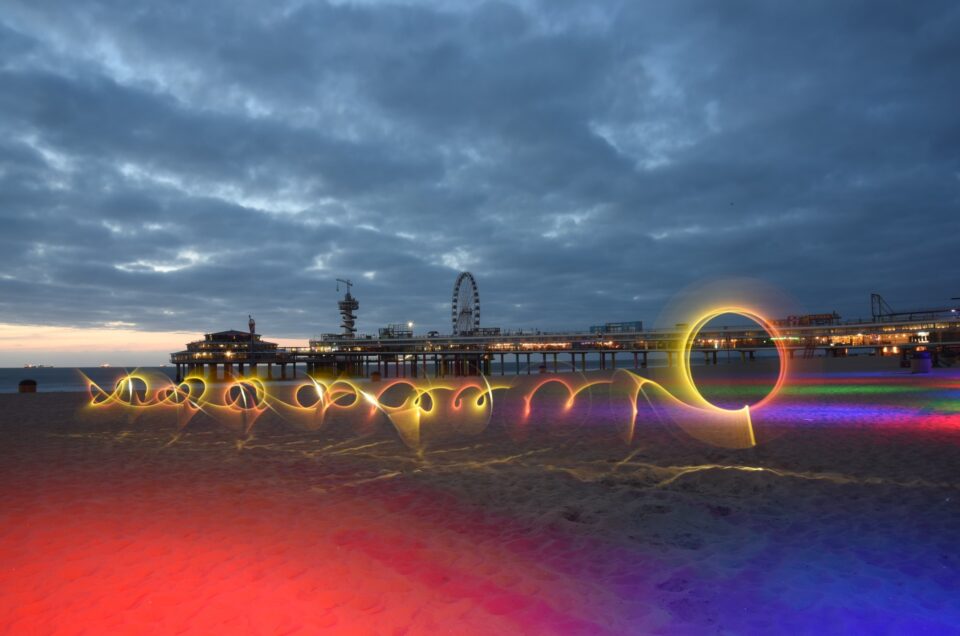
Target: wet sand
844	519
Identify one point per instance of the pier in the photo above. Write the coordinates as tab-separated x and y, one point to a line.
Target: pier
474	350
224	354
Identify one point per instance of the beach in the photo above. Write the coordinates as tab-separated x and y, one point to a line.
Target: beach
842	519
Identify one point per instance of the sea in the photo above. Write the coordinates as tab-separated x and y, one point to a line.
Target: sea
69	379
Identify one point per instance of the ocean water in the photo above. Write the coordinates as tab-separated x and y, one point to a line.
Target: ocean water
68	379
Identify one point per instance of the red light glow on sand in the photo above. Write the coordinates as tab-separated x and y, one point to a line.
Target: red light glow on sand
118	553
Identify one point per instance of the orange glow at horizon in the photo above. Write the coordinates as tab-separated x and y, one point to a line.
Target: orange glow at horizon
50	339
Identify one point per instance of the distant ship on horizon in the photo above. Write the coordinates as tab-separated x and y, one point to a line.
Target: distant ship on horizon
38	366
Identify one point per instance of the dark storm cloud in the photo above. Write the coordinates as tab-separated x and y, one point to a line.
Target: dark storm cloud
178	167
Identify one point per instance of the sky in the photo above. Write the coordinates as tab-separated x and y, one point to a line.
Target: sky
168	168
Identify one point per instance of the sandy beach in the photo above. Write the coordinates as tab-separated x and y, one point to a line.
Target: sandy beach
843	519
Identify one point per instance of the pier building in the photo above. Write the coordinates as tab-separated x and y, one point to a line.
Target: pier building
229	350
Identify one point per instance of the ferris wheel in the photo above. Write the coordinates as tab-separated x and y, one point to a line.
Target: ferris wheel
465	308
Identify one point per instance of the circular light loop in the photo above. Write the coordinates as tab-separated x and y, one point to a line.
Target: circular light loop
687	373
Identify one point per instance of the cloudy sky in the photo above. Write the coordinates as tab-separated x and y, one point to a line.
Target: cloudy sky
174	166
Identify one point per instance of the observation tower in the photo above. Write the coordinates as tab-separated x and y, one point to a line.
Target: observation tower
348	306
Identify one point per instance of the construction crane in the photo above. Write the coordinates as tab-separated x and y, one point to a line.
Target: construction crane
347	306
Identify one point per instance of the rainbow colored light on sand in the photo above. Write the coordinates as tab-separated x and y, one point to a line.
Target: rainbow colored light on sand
424	407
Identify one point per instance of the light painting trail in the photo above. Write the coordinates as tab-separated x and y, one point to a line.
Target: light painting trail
421	407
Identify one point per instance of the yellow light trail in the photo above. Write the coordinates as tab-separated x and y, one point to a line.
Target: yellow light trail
443	407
